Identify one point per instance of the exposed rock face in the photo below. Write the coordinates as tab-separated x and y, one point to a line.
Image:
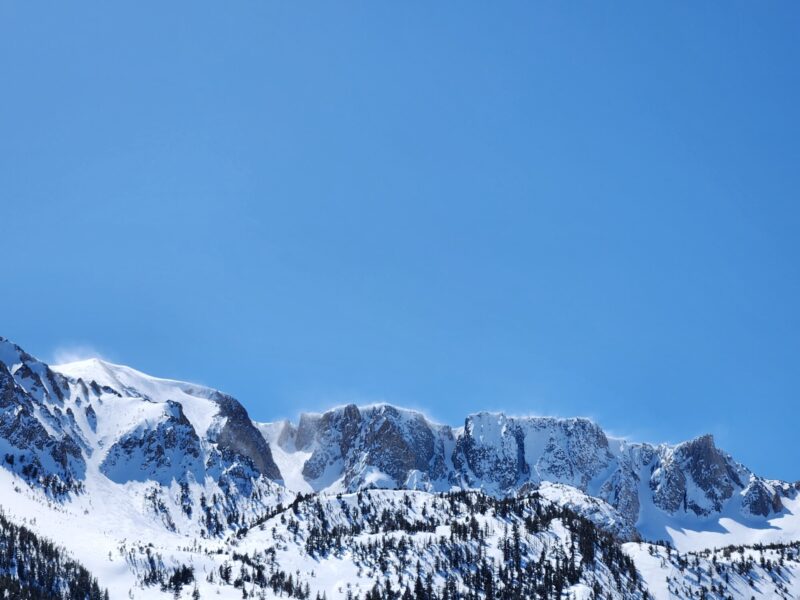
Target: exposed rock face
374	446
239	437
398	444
91	416
38	438
695	476
505	452
762	498
621	491
577	451
168	451
330	435
669	488
491	451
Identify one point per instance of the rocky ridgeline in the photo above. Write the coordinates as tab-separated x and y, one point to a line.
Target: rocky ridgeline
353	448
55	428
57	423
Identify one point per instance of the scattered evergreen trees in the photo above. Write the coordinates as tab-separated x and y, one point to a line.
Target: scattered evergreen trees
384	541
32	568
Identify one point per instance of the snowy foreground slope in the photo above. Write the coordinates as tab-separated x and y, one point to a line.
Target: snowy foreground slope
160	487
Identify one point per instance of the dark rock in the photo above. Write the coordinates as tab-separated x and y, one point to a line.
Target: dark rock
240	437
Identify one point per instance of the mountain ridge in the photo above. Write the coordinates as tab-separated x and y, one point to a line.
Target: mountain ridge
186	432
105	457
501	454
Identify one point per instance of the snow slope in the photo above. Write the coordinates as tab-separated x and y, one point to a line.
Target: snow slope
665	492
745	572
137	385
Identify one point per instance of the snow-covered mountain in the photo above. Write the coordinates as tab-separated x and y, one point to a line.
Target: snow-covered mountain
146	479
191	453
656	489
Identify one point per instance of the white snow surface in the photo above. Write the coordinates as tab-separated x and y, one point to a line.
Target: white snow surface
666	580
193	398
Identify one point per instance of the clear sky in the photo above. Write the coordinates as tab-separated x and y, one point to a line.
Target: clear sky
571	208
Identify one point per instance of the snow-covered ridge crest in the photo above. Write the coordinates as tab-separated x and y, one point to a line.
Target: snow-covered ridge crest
214	416
181	445
188	456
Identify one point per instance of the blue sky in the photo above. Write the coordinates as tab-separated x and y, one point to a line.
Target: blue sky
541	207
